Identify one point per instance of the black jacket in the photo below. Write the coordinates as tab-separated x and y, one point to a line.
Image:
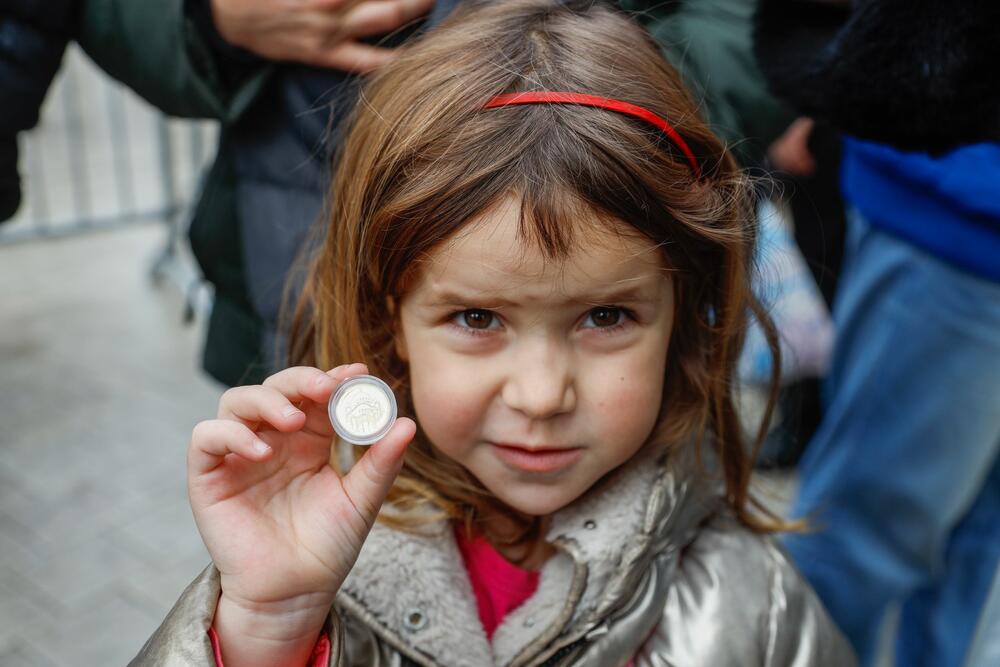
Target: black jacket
917	74
33	36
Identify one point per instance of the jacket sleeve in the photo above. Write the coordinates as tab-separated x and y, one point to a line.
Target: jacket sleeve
33	36
155	47
739	602
182	640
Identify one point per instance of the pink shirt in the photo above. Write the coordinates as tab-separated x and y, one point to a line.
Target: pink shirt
499	585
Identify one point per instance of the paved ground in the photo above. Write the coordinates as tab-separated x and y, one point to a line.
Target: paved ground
100	390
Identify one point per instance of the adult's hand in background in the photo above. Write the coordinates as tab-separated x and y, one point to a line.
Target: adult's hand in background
790	152
323	33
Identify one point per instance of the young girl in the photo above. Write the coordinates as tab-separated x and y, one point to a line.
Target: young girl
543	250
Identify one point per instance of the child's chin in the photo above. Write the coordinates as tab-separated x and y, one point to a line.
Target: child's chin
536	502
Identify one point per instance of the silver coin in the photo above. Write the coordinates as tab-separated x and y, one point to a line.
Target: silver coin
362	410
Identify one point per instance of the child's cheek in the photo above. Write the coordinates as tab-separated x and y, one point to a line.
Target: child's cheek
629	404
630	401
446	406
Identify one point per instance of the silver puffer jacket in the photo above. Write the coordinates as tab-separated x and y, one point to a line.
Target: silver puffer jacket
649	567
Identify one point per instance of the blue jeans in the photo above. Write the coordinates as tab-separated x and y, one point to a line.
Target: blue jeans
901	482
985	650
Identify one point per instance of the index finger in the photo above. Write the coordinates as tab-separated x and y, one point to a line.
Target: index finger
301	383
310	389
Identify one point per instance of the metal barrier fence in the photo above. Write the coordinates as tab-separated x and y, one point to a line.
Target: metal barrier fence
102	157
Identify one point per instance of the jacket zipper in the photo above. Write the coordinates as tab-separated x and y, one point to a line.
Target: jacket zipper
563	652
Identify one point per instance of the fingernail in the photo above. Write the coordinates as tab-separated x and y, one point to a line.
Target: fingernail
338	369
261	447
291	411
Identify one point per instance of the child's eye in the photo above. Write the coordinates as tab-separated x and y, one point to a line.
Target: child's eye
606	318
476	320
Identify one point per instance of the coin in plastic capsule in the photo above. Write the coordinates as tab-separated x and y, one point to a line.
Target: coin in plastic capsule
362	410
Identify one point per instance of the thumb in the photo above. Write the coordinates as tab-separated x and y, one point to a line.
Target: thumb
369	480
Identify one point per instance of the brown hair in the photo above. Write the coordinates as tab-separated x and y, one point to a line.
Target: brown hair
422	158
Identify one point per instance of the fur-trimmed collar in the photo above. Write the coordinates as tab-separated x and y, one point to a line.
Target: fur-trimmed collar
413	591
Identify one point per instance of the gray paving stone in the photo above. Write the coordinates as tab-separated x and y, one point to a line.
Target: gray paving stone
111	632
158	590
74	575
19	614
164	535
101	390
21	654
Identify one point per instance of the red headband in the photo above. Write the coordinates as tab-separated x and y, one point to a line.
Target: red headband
602	103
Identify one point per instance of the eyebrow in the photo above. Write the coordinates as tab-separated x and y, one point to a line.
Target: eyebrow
621	294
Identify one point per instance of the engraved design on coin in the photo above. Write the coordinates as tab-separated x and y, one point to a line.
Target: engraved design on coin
362	409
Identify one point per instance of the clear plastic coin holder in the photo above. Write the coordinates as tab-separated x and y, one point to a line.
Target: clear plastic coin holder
362	410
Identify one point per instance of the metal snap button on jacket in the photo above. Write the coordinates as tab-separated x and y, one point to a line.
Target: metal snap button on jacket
414	619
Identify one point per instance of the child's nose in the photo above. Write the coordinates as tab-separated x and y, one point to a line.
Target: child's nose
539	382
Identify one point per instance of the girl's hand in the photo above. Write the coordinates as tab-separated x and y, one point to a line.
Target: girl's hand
281	526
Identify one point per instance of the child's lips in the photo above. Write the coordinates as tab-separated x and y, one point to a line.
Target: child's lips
537	459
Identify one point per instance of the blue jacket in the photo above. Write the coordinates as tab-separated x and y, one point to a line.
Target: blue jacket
949	205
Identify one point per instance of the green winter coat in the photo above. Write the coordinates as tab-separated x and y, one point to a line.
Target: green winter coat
156	50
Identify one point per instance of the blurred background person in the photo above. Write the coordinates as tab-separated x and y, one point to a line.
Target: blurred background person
902	480
805	162
33	37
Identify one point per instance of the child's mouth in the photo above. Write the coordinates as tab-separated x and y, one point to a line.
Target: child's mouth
537	459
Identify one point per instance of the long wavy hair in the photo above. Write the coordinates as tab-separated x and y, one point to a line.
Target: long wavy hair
421	158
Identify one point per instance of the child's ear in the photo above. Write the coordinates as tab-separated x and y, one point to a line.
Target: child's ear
399	340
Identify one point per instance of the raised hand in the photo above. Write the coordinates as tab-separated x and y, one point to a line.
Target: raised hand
324	33
282	527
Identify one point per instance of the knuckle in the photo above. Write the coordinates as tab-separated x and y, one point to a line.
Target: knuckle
201	430
334	58
266	395
317	44
229	394
316	376
373	476
277	378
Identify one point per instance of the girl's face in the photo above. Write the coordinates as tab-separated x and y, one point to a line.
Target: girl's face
538	376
